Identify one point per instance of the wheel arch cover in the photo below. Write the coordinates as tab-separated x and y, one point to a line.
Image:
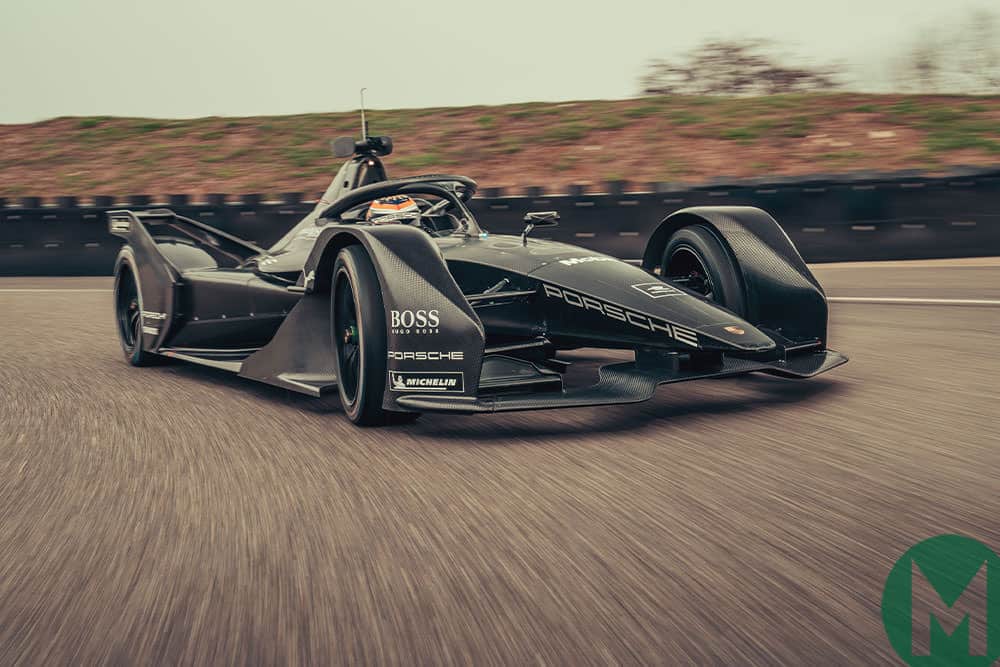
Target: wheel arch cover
156	280
413	278
780	290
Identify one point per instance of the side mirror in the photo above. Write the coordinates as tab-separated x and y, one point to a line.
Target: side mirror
343	146
538	219
346	146
542	218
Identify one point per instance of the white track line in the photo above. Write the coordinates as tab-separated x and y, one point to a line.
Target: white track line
908	301
54	289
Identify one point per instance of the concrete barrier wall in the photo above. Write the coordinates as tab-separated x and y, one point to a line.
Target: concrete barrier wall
855	217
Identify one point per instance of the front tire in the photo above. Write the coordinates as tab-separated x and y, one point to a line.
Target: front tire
696	259
359	342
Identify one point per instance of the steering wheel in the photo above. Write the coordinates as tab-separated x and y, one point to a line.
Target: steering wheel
427	209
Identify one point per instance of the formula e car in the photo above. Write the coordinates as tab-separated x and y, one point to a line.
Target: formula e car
390	293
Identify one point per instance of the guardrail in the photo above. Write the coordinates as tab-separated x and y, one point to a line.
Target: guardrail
904	215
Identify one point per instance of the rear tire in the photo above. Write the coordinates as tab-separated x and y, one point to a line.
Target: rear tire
357	325
696	259
128	317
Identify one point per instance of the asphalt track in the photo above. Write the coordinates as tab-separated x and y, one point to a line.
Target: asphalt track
178	515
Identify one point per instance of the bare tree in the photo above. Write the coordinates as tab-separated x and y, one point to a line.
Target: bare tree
961	59
924	66
982	47
738	67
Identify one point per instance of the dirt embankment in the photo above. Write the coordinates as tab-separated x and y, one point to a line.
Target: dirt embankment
679	139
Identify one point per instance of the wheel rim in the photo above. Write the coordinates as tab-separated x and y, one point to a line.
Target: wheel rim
129	311
685	267
348	338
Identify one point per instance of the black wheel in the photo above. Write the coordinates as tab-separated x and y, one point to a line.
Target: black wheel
695	258
359	338
128	317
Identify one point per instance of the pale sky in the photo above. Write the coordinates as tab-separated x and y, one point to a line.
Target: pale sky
188	58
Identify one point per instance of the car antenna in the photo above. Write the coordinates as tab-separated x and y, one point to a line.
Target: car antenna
364	121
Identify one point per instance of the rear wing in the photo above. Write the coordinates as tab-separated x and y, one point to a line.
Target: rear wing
162	224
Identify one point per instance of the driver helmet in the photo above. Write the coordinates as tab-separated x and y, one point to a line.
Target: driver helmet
391	209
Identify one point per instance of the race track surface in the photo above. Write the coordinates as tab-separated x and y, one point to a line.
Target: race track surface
179	515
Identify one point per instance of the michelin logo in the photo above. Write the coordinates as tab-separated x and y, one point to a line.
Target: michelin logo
420	382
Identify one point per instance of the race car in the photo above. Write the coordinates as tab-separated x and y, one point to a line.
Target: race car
390	293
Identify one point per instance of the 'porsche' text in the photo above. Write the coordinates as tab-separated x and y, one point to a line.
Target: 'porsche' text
427	356
680	334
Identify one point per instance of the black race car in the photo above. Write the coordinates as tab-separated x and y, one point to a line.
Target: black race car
390	293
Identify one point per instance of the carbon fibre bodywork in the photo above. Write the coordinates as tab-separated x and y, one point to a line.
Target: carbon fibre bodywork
782	293
474	322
